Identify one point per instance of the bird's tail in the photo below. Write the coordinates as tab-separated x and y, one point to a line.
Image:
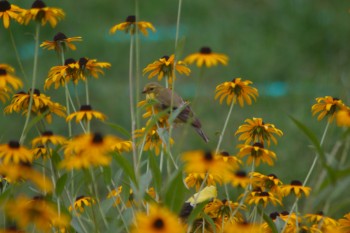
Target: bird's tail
202	134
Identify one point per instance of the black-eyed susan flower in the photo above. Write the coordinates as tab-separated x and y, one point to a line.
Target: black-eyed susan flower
7	78
131	25
262	198
206	57
196	179
326	106
237	91
256	153
4	95
240	179
255	130
42	105
86	113
242	227
41	13
296	188
115	194
267	182
158	220
13	152
320	218
60	43
24	172
152	140
233	160
122	145
9	11
343	116
165	67
60	75
11	229
41	152
223	208
81	203
344	223
47	138
91	67
88	150
199	161
37	211
151	111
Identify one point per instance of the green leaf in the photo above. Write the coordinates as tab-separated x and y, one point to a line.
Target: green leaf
119	128
61	182
175	192
107	174
319	151
196	212
210	221
156	173
176	112
126	166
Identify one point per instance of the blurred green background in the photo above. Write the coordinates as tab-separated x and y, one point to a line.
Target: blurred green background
293	51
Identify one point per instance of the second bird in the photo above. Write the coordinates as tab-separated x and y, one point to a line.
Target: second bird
163	96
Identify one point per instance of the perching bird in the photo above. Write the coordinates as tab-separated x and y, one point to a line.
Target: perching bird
163	96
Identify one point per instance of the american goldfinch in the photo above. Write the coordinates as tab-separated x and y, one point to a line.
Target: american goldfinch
163	97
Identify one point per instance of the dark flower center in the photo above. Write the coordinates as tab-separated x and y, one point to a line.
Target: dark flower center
335	98
285	213
38	198
38	4
80	197
14	144
258	144
208	156
2	71
131	19
4	6
205	50
59	37
158	224
319	212
296	183
83	61
225	153
97	138
69	61
224	201
241	174
35	92
274	215
263	194
272	175
165	57
47	133
85	107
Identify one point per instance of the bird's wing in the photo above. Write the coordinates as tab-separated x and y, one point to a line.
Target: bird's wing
164	97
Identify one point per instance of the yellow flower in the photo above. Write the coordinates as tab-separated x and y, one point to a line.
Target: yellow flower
206	57
91	67
9	11
122	145
326	106
321	220
38	212
267	182
23	171
240	179
263	198
222	208
295	187
88	150
42	152
43	14
158	220
242	227
60	75
7	78
234	161
165	67
343	116
344	223
41	105
258	131
80	203
236	90
115	193
153	141
256	153
130	25
206	162
48	137
4	96
13	152
86	114
196	179
60	43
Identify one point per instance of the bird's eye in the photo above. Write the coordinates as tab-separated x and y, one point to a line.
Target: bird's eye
151	88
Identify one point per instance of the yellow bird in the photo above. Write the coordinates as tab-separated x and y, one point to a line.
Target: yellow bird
163	96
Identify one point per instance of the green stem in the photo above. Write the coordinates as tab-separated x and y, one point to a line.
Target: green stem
35	67
224	128
17	55
178	24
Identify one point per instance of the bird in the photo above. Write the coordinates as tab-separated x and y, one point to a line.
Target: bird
163	96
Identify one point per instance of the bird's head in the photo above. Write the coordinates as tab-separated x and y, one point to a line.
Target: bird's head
152	88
